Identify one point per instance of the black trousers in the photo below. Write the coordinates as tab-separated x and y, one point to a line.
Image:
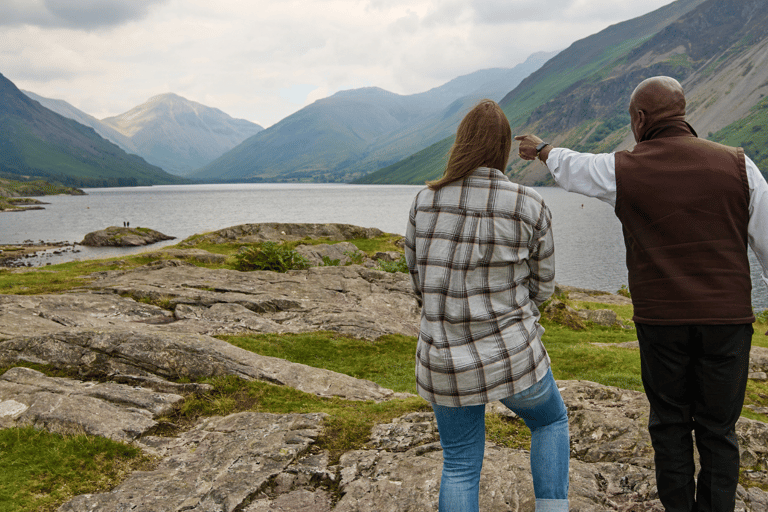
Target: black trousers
695	377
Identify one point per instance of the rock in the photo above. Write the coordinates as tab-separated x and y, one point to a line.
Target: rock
607	424
221	465
351	300
265	462
277	232
294	501
316	254
39	314
585	295
198	255
67	406
168	355
388	256
561	313
605	317
758	360
115	236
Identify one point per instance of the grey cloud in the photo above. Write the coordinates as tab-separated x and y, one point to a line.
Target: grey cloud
506	11
74	14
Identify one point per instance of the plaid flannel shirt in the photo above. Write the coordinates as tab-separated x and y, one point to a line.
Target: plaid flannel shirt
481	258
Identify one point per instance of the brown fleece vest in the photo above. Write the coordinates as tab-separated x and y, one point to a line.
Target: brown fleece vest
683	203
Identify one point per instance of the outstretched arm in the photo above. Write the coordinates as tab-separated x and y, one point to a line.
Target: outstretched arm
592	175
528	145
758	216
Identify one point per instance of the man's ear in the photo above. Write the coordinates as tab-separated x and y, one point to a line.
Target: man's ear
642	123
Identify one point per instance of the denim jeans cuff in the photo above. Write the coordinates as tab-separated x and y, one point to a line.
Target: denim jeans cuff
551	505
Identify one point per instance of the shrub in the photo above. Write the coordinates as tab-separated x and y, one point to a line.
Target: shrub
328	262
624	291
394	266
355	257
270	256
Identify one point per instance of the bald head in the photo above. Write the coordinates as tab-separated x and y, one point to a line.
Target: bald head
656	98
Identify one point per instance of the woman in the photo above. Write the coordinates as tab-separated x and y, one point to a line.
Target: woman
481	257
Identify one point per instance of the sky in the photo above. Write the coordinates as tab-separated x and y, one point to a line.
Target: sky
262	60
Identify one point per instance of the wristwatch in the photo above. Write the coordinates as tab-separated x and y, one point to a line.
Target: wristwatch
541	146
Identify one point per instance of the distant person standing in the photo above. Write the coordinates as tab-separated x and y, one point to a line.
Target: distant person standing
481	258
689	208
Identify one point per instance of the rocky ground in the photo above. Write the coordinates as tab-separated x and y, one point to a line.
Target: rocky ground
17	255
129	355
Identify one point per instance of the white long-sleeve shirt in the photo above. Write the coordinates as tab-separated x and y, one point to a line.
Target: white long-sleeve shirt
594	175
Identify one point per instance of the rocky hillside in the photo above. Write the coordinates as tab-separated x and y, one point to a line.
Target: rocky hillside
717	49
358	131
180	135
718	53
65	109
136	360
38	143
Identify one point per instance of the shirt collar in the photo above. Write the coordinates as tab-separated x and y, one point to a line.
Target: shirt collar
670	127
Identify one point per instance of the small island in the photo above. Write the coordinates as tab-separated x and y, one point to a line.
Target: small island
115	236
17	195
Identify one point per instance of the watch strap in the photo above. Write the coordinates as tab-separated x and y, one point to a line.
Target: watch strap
541	145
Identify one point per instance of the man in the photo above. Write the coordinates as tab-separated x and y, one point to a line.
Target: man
688	209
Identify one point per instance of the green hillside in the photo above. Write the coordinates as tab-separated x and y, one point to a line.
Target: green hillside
557	85
427	164
36	143
750	133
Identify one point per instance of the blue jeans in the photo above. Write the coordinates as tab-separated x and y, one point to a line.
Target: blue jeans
462	435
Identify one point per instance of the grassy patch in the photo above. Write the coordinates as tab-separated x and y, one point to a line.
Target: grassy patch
347	427
42	470
388	361
624	313
575	358
508	432
383	243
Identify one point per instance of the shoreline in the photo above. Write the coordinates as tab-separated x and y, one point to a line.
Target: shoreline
14	255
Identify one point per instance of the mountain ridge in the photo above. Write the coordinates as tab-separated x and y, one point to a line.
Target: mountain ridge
718	50
178	134
36	142
347	134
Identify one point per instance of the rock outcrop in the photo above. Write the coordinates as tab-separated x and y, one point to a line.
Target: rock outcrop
279	231
129	353
118	411
129	334
265	462
115	236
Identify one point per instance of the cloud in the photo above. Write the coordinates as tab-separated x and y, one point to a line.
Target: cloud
262	60
74	14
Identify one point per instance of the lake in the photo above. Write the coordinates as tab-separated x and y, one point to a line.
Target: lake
589	246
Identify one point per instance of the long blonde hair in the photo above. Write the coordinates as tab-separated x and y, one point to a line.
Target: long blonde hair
483	139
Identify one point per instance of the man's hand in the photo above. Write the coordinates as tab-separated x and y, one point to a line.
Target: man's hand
528	145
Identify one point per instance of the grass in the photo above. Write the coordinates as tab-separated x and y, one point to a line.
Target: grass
347	426
41	470
58	278
75	274
49	479
388	361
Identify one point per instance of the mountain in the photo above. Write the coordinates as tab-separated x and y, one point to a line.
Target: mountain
67	110
38	143
579	99
358	131
716	50
180	135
